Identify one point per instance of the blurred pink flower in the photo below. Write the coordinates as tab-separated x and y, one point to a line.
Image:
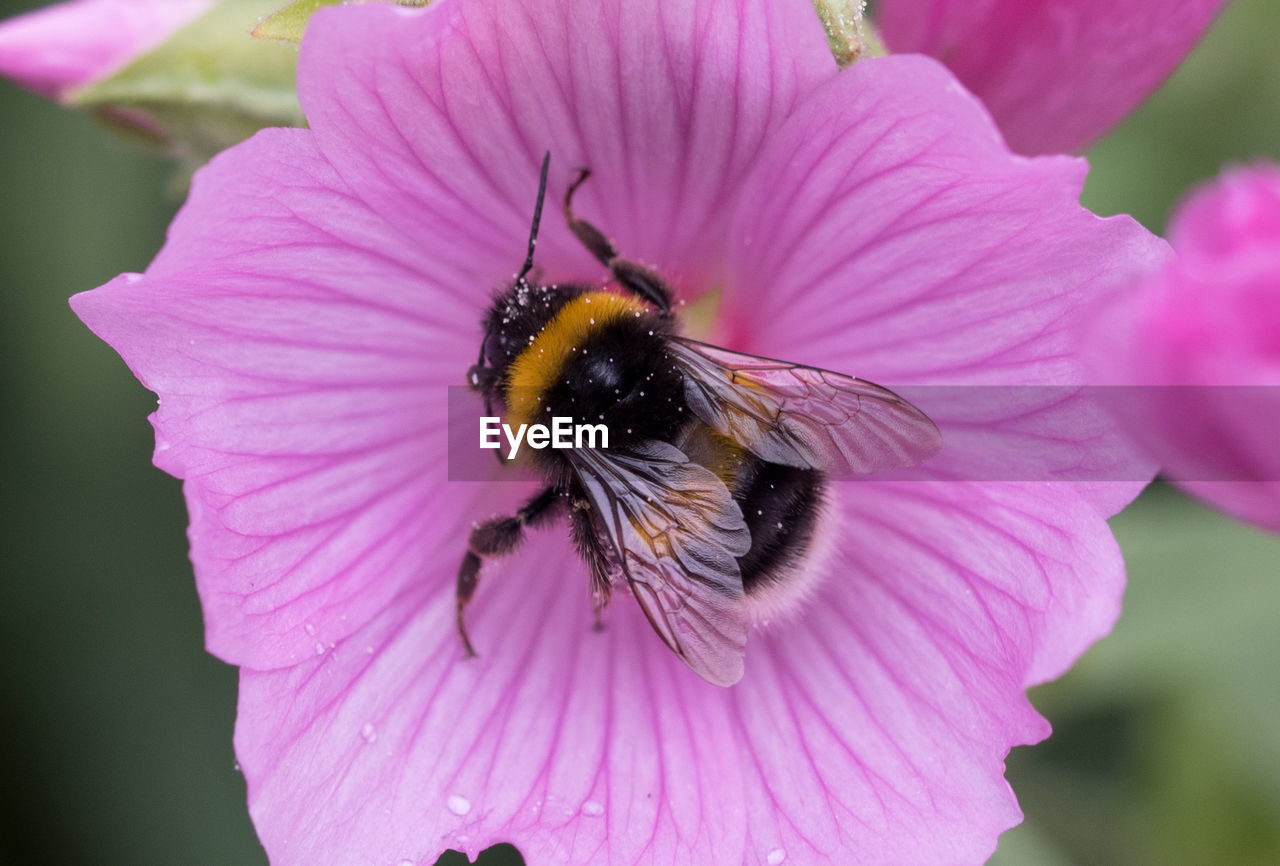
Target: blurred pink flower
1056	74
322	288
1202	336
58	49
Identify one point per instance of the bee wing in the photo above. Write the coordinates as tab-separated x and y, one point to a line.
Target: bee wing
803	416
676	532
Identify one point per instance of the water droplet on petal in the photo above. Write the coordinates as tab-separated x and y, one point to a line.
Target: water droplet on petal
369	732
592	808
776	856
319	648
406	863
310	629
458	804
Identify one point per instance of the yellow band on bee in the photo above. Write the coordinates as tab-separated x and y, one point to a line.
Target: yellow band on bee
539	366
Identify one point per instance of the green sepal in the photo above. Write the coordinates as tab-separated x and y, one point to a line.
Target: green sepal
208	86
289	23
842	19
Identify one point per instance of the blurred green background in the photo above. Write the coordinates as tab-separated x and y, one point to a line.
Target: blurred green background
116	729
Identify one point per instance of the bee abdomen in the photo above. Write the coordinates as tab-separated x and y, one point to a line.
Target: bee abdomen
781	505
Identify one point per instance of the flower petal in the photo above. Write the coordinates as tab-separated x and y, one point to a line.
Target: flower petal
904	683
558	738
439	117
888	233
301	349
872	730
61	47
1055	73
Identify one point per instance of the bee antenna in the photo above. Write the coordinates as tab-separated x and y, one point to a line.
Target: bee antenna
537	218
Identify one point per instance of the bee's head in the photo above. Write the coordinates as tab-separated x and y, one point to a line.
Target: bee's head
518	314
496	348
483	376
506	326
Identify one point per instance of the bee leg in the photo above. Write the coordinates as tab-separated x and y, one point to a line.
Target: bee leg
635	278
468	578
590	236
497	537
598	556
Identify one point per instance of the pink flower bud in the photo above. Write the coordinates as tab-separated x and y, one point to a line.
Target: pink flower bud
56	50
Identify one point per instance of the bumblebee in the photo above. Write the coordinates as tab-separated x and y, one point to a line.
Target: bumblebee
707	499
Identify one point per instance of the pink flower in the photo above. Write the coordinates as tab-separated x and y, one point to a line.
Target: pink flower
322	289
58	49
1203	334
1056	74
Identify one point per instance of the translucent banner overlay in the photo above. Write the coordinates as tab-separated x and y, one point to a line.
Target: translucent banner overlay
1005	433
